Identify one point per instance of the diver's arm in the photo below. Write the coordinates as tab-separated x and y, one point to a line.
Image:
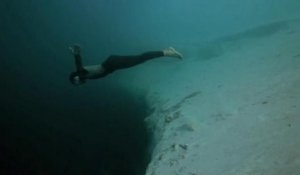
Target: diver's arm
78	62
76	52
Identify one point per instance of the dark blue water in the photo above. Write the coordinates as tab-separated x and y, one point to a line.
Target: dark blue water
48	126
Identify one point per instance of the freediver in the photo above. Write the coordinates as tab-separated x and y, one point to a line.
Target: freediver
112	63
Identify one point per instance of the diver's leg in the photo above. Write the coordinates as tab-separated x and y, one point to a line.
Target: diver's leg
121	62
115	62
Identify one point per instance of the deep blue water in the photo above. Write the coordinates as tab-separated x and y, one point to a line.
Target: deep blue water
47	126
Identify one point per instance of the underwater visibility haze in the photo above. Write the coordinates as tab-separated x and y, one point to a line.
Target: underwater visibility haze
49	126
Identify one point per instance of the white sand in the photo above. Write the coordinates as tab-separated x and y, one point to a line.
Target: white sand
235	114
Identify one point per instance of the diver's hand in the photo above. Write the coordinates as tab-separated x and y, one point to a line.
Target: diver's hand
75	50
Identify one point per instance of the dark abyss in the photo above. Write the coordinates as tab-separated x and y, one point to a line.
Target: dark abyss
86	136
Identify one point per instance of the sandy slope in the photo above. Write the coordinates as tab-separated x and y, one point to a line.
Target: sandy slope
236	112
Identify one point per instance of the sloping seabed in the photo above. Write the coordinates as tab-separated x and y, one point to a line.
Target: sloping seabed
233	112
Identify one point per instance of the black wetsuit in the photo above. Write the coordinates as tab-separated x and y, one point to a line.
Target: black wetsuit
115	62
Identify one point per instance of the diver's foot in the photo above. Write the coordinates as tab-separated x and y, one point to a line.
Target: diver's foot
171	52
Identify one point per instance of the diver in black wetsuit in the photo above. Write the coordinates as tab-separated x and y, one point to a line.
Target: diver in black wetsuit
113	63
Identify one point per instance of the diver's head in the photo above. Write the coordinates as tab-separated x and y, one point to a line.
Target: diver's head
77	79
